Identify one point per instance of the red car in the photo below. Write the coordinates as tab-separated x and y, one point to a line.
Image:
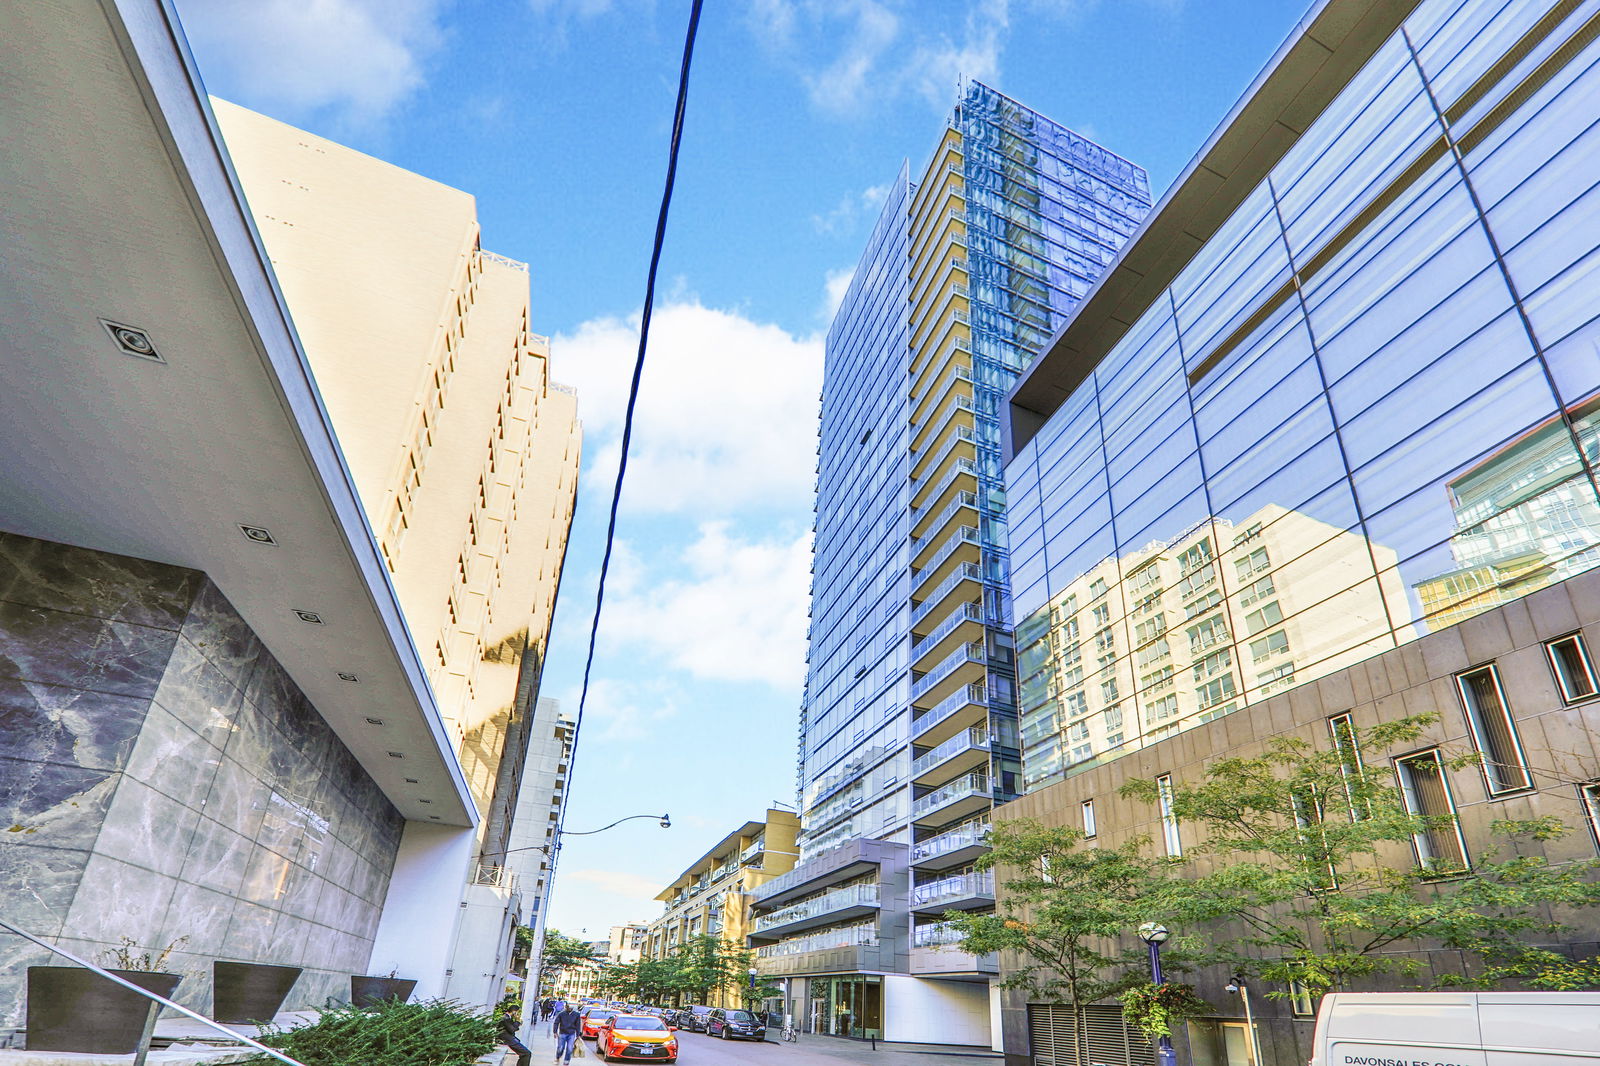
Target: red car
638	1038
593	1019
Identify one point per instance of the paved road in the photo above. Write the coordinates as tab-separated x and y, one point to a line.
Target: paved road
697	1049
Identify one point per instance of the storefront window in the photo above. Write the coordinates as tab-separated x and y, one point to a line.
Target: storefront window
847	1006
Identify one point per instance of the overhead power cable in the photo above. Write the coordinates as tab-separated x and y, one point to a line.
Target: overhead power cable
638	370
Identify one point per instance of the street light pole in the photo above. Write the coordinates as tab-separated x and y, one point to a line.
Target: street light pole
1236	984
1154	934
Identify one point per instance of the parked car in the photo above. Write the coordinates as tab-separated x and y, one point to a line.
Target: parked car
637	1037
592	1019
694	1018
735	1025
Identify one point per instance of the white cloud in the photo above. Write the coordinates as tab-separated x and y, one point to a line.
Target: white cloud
936	66
869	29
732	609
358	59
727	410
841	220
615	882
625	709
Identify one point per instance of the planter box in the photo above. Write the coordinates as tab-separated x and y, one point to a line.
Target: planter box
370	991
73	1009
244	992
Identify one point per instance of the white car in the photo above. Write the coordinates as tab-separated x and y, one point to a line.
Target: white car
1458	1029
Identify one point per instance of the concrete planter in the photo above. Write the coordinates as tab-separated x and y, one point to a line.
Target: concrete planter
73	1009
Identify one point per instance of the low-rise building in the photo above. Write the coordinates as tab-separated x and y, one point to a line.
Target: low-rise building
712	895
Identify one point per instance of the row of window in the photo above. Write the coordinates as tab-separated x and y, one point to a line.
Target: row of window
1424	786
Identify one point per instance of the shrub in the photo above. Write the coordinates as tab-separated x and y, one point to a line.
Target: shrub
427	1033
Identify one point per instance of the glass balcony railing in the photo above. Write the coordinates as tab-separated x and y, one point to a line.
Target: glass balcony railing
962	499
963	466
967	653
973	693
951	440
965	612
842	937
836	900
976	737
962	535
964	572
935	935
960	788
961	886
963	836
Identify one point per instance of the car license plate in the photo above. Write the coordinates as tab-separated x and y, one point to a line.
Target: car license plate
648	1050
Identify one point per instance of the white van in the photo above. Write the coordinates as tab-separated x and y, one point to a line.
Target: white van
1458	1029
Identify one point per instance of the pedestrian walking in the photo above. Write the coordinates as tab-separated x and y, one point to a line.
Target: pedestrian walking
509	1024
565	1027
547	1008
559	1006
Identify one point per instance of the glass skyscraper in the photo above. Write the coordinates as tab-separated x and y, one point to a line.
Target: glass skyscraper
908	732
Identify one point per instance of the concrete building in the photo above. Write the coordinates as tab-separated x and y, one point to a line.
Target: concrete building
541	803
908	731
1358	315
712	896
238	714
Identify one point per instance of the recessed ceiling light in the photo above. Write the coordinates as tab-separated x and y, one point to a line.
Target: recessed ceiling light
435	817
374	721
308	616
397	755
424	801
131	340
411	780
259	534
352	678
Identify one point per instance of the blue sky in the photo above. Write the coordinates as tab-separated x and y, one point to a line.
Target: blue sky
555	115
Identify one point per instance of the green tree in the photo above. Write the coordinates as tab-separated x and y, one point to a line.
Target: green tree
708	964
1299	847
562	952
1069	910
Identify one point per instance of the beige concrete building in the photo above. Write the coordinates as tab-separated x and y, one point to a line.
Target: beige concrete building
1182	632
712	896
464	453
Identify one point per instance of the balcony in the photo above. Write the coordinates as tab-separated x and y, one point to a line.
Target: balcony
961	753
934	951
964	666
963	796
960	442
962	546
960	409
953	848
752	853
936	498
961	626
957	892
834	905
936	598
963	501
953	714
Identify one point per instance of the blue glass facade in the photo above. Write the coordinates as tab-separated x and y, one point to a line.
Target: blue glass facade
1366	409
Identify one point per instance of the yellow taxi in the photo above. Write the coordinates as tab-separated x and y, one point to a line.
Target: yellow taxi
637	1038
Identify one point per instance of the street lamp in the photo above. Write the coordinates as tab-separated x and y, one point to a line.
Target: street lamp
555	845
1236	984
1154	934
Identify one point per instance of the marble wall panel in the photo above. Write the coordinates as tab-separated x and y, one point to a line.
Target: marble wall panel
167	779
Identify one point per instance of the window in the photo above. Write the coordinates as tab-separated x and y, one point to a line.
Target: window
1493	732
1249	534
1569	658
1108	690
1102	615
1200	606
1253	563
1149	630
1343	731
1169	821
1213	664
1257	592
1207	634
1590	795
1426	792
1162	709
1214	692
1301	1001
1151	652
1270	615
1193	558
1156	680
1112	717
1088	818
1269	645
1097	588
